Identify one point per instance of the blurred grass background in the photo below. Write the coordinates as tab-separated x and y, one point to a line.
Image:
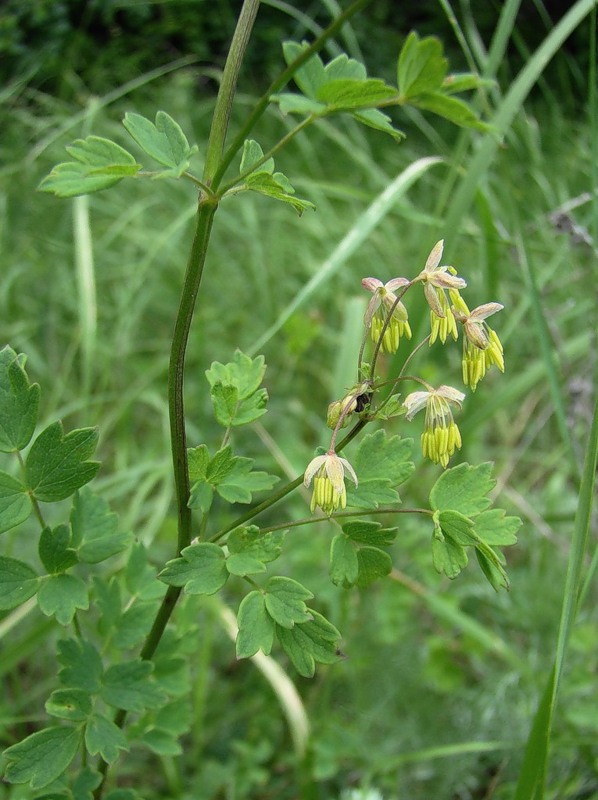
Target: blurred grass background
437	694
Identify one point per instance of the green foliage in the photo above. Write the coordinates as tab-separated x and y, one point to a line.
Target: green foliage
382	463
57	464
15	503
104	737
100	164
250	550
201	569
130	686
235	392
18	582
461	520
164	141
42	757
341	85
256	626
19	402
357	557
71	704
230	476
95	529
423	82
447	650
285	601
309	642
61	595
81	665
260	177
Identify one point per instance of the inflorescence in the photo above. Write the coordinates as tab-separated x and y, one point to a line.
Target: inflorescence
387	324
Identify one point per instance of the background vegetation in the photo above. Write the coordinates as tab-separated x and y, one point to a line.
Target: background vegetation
436	698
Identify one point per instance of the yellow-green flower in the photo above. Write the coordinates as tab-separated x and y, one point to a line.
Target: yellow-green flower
482	348
441	436
437	279
328	474
382	302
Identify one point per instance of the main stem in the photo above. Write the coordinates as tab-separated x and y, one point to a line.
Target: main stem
205	217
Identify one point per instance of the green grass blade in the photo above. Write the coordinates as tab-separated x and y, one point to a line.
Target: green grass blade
463	197
86	286
533	770
500	40
548	353
356	235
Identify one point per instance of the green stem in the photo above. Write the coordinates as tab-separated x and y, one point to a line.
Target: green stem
205	217
297	523
226	92
36	509
279	83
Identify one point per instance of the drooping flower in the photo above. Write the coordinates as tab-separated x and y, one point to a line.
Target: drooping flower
382	302
328	474
437	279
482	348
441	436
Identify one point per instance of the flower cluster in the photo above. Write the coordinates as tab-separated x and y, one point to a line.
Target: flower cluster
387	324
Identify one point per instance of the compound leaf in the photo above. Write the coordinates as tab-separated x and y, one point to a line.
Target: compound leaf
448	556
451	108
277	187
348	94
240	483
243	372
201	569
311	75
57	464
100	164
265	547
252	154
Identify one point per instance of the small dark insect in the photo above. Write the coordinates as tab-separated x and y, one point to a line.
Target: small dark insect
362	401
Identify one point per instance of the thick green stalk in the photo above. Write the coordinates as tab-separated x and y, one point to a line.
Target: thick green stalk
228	85
205	217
